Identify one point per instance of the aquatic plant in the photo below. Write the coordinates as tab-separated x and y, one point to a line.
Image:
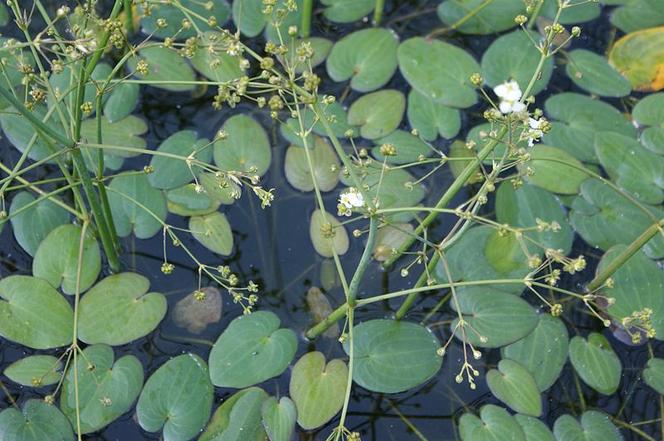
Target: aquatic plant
476	226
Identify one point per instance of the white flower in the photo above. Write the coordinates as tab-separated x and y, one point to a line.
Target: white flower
348	200
509	94
535	132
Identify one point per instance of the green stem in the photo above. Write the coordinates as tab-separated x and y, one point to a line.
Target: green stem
129	17
307	12
624	256
378	12
364	262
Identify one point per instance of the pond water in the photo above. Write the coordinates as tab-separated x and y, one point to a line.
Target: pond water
273	248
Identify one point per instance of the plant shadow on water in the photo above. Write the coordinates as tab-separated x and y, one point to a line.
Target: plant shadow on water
273	248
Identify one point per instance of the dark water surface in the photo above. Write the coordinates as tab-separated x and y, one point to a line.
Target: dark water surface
272	246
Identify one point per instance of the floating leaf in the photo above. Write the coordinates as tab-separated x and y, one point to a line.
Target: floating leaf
324	162
124	133
136	206
64	90
389	238
248	16
378	113
279	418
186	201
653	374
213	231
327	234
580	118
522	207
320	46
632	167
410	148
638	14
512	384
251	350
514	57
592	72
439	70
20	132
196	311
548	164
282	23
496	318
34	314
106	389
367	57
238	418
319	307
317	389
37	421
119	309
639	56
495	424
603	218
166	69
596	363
121	102
393	356
32	225
578	11
534	429
457	151
57	258
637	285
347	11
491	17
196	12
504	252
172	172
246	147
177	397
213	61
648	112
35	371
336	117
543	352
431	119
595	426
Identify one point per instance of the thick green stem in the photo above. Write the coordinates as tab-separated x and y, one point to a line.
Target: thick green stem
129	17
364	262
378	12
307	12
623	257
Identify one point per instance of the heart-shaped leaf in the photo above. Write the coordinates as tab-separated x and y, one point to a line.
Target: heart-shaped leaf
604	218
512	384
393	356
248	16
126	132
172	172
496	318
431	119
178	398
495	424
578	11
592	72
279	417
438	70
106	390
596	363
31	225
637	14
548	164
136	206
324	162
34	314
632	167
378	113
245	148
238	418
389	238
213	231
367	57
653	374
514	57
318	389
166	69
327	234
336	116
409	148
251	350
533	428
212	60
347	11
21	134
543	352
35	371
489	18
640	56
189	200
594	426
648	112
57	258
637	285
121	102
119	309
37	421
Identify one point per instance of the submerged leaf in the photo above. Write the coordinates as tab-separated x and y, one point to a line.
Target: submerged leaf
198	309
327	234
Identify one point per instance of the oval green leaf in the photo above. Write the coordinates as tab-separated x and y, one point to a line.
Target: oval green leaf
592	72
378	113
35	371
213	231
594	426
512	384
596	363
327	234
136	206
36	421
246	147
279	418
171	172
31	225
238	418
